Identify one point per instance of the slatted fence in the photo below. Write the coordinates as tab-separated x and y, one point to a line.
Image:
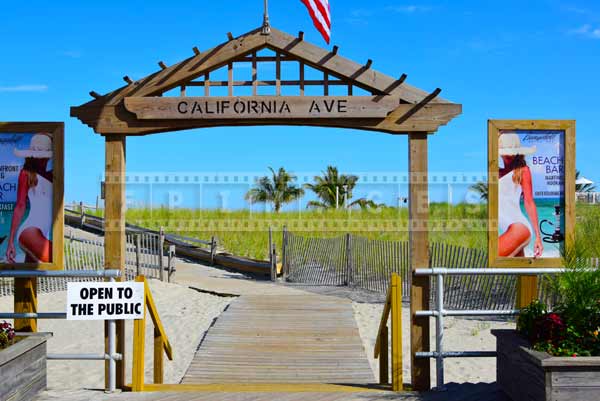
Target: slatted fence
367	264
142	257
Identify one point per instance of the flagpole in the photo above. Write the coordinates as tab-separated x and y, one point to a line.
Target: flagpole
266	28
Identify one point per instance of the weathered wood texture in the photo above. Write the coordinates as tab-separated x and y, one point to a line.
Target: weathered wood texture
23	369
282	339
260	107
418	215
115	234
107	114
527	375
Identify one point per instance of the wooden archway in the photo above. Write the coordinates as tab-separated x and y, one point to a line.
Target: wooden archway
371	101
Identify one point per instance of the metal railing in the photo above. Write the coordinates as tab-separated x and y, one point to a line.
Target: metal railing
439	312
393	308
112	356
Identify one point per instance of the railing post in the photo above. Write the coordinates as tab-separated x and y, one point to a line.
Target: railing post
161	251
439	335
81	214
171	261
384	357
139	337
158	357
138	254
273	263
396	316
283	253
213	249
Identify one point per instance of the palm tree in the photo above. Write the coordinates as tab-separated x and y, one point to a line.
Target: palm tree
333	188
277	189
583	187
481	188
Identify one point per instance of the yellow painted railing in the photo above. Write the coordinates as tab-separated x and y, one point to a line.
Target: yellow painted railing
161	342
393	308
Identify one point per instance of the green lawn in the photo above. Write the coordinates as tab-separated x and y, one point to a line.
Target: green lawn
245	233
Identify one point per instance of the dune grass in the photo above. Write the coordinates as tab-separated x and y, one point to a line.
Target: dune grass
245	233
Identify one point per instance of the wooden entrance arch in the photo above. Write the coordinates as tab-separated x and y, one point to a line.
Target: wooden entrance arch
164	102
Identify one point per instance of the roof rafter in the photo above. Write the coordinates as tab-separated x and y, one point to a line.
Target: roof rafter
106	113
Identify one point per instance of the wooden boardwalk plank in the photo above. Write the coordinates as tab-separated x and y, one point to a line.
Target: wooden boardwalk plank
282	339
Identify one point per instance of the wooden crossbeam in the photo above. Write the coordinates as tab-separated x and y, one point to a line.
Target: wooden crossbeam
335	49
301	35
95	95
369	64
312	82
162	65
229	36
248	59
127	79
419	106
196	50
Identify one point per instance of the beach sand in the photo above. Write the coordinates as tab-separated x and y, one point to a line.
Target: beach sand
185	313
459	335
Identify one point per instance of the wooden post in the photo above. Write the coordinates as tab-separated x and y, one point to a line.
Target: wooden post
114	225
396	317
213	249
161	251
349	266
158	357
283	252
384	368
274	263
139	345
171	262
418	205
526	290
81	215
25	301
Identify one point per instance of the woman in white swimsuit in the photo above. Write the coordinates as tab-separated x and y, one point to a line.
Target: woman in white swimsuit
34	185
515	182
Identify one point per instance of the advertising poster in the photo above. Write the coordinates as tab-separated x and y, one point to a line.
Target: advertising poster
26	197
531	193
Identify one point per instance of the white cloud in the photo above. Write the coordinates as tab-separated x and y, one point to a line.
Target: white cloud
24	88
587	31
409	9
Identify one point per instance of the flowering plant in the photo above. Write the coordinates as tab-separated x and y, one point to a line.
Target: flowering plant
573	327
7	334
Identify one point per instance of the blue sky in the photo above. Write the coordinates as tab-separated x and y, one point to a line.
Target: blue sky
510	59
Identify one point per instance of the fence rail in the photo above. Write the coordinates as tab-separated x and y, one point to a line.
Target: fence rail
367	264
142	258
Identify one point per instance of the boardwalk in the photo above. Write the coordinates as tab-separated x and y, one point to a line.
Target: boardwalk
282	339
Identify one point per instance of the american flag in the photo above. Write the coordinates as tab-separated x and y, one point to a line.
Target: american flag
321	16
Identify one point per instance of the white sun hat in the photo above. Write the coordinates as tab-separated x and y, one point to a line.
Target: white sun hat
509	144
40	147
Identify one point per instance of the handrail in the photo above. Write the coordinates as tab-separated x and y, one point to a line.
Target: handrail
393	308
161	342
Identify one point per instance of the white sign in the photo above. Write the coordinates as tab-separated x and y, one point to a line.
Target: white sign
105	301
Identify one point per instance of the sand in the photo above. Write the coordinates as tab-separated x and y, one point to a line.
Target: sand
186	315
459	335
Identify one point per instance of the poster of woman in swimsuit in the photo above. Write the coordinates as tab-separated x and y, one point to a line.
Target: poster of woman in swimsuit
27	198
530	194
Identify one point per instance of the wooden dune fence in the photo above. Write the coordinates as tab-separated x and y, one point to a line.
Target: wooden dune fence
142	257
366	264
